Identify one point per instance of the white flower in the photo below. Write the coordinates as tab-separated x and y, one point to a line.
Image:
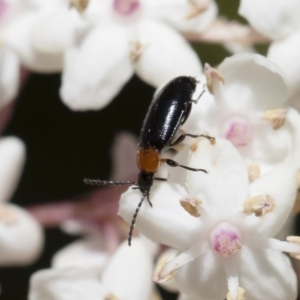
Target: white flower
40	32
126	276
9	75
130	36
279	21
275	19
247	105
21	237
230	246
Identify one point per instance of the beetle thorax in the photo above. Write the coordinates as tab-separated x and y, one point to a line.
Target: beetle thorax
148	160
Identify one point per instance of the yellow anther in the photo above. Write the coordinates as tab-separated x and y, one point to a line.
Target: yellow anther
110	296
80	5
241	295
294	239
192	206
136	50
157	275
253	171
259	205
213	76
275	116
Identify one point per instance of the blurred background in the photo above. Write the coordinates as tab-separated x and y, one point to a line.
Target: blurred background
63	147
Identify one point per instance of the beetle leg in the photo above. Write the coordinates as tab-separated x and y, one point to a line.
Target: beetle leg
184	135
203	91
160	179
173	163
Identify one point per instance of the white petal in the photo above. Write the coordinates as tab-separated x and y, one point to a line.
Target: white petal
9	76
252	82
166	54
18	37
128	274
283	194
21	236
12	159
204	278
96	72
166	222
175	13
285	53
223	190
275	19
266	274
66	284
55	30
86	253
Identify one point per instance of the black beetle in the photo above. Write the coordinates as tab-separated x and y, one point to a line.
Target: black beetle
168	110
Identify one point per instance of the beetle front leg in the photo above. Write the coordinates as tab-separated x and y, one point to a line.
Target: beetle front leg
182	136
173	163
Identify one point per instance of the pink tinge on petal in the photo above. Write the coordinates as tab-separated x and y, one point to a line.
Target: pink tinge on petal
239	132
126	7
225	239
3	8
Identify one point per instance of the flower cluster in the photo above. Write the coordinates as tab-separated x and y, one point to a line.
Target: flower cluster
220	225
223	223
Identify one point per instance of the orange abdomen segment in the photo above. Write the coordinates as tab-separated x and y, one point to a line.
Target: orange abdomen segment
148	160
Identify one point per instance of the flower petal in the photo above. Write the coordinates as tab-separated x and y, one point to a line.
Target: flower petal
275	19
283	194
252	82
96	72
165	54
66	284
179	14
21	236
203	279
55	30
266	274
12	159
128	274
166	222
285	54
9	76
18	37
225	187
86	253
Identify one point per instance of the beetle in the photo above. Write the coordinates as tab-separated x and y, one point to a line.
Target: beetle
169	109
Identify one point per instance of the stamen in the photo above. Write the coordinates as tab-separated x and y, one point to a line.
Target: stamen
213	76
235	292
192	206
197	8
80	5
110	296
136	50
259	205
253	172
166	270
275	116
241	295
292	246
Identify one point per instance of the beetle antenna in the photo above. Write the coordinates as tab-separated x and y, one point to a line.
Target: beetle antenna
133	220
105	182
